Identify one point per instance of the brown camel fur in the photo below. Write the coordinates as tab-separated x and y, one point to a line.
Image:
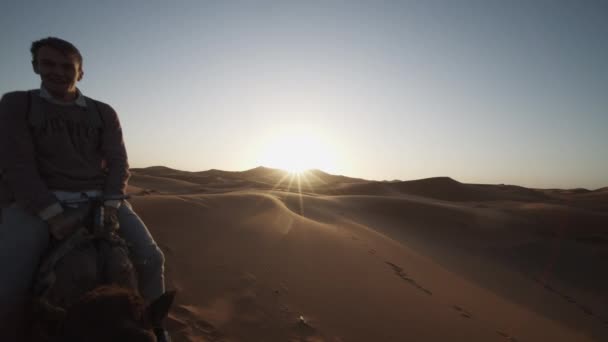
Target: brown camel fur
107	313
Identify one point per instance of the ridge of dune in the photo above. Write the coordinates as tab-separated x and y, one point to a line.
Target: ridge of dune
430	187
163	184
205	181
261	174
441	188
330	178
155	170
318	181
576	191
446	188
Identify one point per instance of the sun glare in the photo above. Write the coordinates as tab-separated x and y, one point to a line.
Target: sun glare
298	151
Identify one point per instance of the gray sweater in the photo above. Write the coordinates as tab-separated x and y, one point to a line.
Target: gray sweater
46	146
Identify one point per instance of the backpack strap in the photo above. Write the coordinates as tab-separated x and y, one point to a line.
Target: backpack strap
35	110
28	104
93	106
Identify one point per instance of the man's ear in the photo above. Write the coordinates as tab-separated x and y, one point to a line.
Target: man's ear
35	67
158	310
80	73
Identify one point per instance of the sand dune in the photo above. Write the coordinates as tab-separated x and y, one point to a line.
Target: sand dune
354	260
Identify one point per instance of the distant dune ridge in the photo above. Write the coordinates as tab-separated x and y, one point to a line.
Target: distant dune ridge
261	255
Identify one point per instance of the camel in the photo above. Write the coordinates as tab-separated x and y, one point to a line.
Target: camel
86	290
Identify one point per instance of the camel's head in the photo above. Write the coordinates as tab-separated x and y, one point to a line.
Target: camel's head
111	313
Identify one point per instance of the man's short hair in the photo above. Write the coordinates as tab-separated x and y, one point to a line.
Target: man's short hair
63	46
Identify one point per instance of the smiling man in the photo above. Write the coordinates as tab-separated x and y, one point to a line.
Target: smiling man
55	145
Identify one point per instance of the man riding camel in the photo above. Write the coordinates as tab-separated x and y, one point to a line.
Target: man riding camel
55	145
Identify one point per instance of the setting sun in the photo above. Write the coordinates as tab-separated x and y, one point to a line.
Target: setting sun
297	151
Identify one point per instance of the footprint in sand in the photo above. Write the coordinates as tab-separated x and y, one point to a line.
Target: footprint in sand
186	324
568	299
206	328
401	274
586	310
303	331
464	313
507	336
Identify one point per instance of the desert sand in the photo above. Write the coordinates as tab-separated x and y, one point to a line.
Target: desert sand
261	255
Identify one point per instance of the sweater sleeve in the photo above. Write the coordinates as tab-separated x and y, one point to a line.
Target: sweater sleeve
114	153
17	156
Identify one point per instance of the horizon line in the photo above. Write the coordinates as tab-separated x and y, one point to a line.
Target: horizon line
369	180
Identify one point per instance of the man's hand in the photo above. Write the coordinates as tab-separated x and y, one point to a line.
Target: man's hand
110	217
62	225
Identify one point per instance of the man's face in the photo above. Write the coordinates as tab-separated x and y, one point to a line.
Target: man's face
58	72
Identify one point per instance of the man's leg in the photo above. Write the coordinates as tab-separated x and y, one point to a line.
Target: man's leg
146	256
23	240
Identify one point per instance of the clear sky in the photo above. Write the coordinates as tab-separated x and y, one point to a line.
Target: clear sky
512	91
